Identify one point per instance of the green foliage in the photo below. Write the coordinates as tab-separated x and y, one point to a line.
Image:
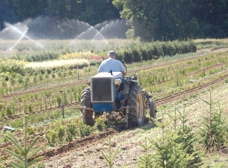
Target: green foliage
61	133
84	130
31	130
56	114
175	147
110	157
26	153
152	20
41	56
214	128
100	124
155	50
30	108
71	132
145	159
188	138
65	98
52	137
8	111
17	123
58	100
127	57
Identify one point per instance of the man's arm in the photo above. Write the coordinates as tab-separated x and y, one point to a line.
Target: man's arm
123	69
124	73
100	68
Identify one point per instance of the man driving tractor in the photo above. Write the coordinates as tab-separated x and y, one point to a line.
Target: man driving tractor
111	64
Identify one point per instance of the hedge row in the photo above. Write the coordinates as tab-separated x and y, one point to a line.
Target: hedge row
147	51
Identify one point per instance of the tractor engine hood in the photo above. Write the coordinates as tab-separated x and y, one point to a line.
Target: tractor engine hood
103	91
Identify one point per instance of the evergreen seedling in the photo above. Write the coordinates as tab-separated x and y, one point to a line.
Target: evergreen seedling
188	139
145	160
213	131
25	154
65	99
84	130
51	137
30	108
110	158
8	111
177	79
58	100
169	149
71	132
100	124
61	133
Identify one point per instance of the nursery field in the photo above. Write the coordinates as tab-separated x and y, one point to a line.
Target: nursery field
187	88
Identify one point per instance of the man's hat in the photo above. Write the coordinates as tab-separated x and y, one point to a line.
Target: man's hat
111	52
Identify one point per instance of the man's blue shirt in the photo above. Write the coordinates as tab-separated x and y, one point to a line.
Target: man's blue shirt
111	64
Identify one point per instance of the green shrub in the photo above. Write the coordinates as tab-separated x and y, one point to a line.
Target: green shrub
84	130
56	114
8	111
136	55
61	133
174	148
65	99
30	108
128	58
25	152
71	132
58	100
100	124
31	130
213	131
144	54
52	137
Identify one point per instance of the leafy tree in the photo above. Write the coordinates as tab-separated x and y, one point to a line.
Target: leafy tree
159	19
97	11
7	12
92	12
149	19
213	18
29	9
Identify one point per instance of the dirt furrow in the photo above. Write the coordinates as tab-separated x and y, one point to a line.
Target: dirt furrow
181	94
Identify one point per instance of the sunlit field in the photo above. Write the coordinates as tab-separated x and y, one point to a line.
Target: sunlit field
38	81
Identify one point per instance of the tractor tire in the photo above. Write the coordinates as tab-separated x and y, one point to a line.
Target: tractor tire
153	109
86	101
135	101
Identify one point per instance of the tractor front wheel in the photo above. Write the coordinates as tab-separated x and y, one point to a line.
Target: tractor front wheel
86	102
135	102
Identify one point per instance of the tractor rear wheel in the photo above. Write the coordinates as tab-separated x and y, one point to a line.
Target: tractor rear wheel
86	102
135	102
153	109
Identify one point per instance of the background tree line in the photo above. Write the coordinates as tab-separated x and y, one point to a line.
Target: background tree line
149	19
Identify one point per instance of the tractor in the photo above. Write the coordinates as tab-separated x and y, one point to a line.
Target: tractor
111	92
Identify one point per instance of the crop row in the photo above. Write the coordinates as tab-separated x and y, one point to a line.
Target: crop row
15	82
184	75
37	102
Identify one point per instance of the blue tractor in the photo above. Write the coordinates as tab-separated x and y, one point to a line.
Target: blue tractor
111	92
